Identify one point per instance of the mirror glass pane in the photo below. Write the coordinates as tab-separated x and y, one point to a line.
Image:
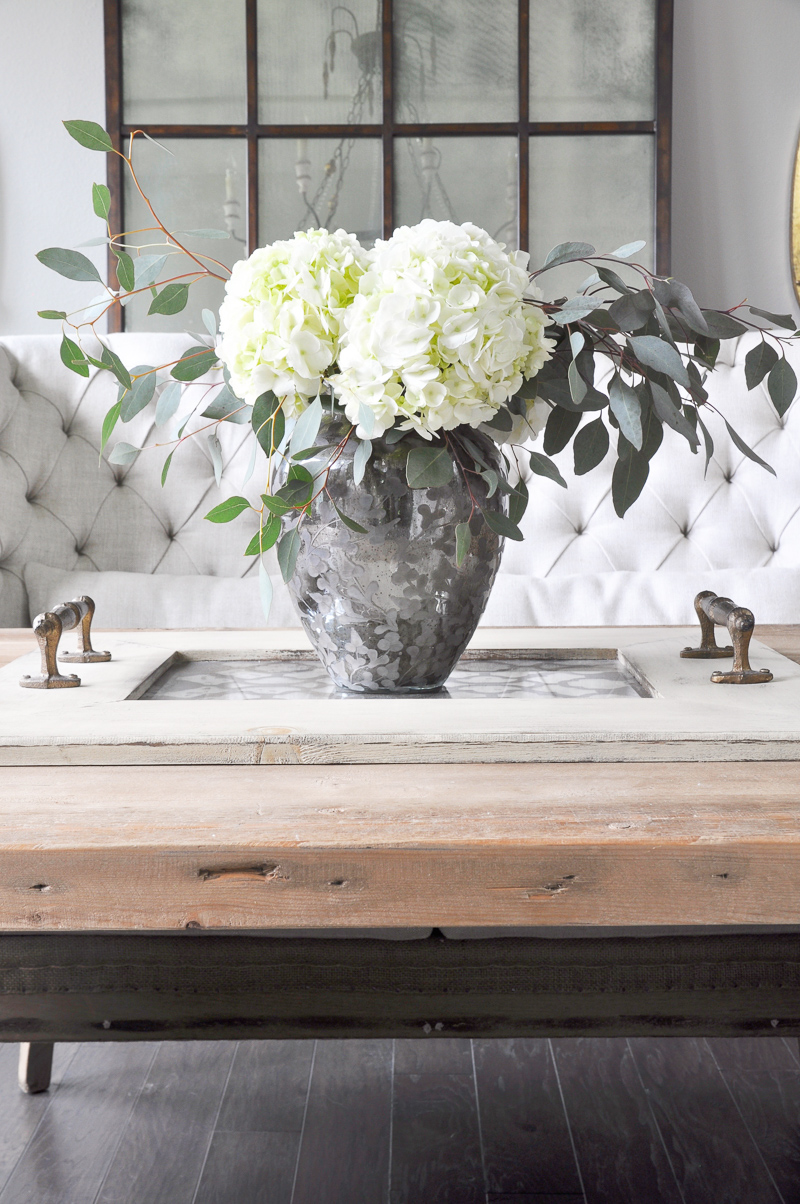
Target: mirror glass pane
591	188
307	183
592	60
319	62
184	63
460	179
455	60
202	187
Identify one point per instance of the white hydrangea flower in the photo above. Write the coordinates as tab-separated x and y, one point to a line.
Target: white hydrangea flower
280	320
438	333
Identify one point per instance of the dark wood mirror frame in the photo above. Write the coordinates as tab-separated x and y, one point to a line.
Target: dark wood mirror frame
388	130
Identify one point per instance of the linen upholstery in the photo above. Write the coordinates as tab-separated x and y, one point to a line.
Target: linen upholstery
64	506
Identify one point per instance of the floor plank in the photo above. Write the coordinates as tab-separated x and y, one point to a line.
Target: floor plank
164	1144
75	1141
769	1101
22	1113
344	1151
267	1088
619	1147
751	1053
451	1055
436	1154
249	1168
710	1147
526	1141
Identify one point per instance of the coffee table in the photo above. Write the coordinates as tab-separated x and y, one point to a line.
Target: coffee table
140	898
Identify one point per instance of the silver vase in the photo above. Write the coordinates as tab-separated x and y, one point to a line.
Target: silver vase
389	610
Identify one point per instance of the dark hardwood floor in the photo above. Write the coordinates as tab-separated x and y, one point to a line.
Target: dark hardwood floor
678	1120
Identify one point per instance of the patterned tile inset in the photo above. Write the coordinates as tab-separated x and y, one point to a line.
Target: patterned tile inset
301	678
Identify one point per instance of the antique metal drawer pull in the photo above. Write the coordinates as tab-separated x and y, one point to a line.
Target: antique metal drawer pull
740	622
47	628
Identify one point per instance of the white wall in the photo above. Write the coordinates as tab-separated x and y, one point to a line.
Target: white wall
736	121
51	69
736	124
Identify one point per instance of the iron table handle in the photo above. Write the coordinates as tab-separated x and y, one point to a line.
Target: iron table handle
48	628
722	612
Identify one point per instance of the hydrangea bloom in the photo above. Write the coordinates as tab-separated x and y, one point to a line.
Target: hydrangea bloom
282	311
438	333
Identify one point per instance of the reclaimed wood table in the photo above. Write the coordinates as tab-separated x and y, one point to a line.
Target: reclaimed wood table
147	863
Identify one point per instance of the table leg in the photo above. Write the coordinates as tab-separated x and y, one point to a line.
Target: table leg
35	1065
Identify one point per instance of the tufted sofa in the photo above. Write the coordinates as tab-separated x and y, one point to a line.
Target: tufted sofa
71	522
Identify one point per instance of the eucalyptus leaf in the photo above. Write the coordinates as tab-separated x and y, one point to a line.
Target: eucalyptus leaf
590	446
109	422
166	468
194	363
627	410
68	263
171	300
544	467
307	427
427	467
73	357
52	314
674	417
758	361
140	394
784	320
160	145
463	540
101	201
502	525
102	241
560	427
210	322
299	486
567	251
265	537
708	441
125	273
574	310
265	422
264	589
747	451
782	385
588	282
614	281
501	421
628	479
490	477
518	501
654	353
115	365
168	402
361	459
276	505
366	419
630	248
632	311
147	269
350	522
677	296
722	325
89	134
288	549
123	453
251	464
577	385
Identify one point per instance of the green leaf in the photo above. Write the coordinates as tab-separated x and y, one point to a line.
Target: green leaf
89	134
490	477
140	393
101	201
747	451
577	385
147	268
518	502
654	353
166	468
307	427
758	362
566	251
575	309
268	421
628	479
171	300
299	486
115	365
543	467
215	451
73	357
613	280
782	385
168	402
350	522
68	263
210	322
707	350
194	363
561	426
125	272
226	511
265	536
785	320
361	459
677	296
226	407
55	314
109	422
276	504
463	540
627	410
502	525
722	325
427	467
123	453
590	447
630	248
633	311
528	390
288	549
501	420
708	441
668	412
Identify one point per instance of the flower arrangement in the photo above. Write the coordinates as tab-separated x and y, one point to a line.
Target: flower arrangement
436	331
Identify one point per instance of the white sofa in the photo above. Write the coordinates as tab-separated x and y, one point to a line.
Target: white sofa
72	523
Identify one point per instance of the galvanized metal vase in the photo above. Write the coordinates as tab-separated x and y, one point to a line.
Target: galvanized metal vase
389	611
